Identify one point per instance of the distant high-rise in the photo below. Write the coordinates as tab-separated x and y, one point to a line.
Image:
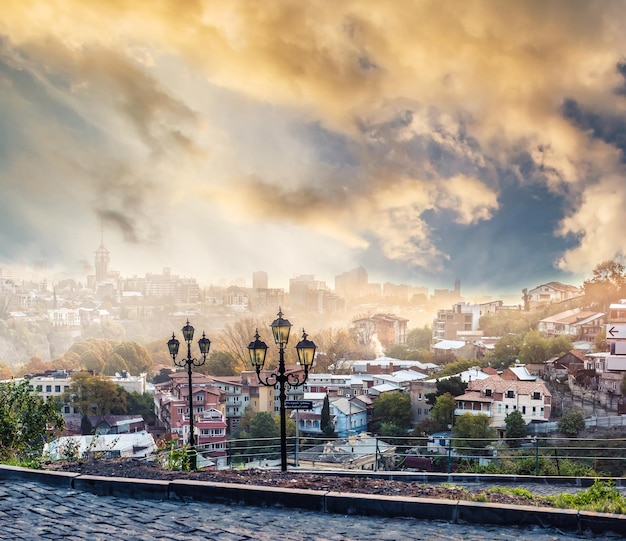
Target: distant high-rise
259	280
352	284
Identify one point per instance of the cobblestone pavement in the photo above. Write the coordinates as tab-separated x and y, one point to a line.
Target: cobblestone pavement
32	511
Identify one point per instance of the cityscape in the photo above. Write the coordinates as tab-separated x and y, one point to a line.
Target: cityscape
381	318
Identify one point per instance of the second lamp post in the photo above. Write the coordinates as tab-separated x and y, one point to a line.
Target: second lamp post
204	344
306	353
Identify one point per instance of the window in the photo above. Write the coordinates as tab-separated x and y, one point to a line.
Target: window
510	394
536	395
48	388
57	388
487	392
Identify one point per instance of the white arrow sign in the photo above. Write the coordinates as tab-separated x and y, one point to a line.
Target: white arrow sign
615	331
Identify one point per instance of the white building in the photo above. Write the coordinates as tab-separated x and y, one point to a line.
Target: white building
133	445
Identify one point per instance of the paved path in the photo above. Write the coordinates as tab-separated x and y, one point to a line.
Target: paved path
33	511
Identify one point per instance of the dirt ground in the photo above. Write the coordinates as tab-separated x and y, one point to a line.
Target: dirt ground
131	468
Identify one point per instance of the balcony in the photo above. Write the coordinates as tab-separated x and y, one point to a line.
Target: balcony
461	411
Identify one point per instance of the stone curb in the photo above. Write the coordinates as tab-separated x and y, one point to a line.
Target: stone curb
454	511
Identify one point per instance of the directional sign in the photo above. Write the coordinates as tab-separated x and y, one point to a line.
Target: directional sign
299	404
616	331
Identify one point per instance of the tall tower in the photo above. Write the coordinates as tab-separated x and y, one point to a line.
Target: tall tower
102	259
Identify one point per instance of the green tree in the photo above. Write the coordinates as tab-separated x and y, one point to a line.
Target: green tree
571	423
95	395
141	404
453	385
559	345
473	432
393	407
26	420
326	423
442	413
515	428
263	425
264	435
535	348
506	350
419	338
86	428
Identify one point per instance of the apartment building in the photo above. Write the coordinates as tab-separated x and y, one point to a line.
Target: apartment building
497	397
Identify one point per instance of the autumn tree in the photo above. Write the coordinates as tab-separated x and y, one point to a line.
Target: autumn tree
26	421
607	285
135	356
222	363
115	364
5	371
236	337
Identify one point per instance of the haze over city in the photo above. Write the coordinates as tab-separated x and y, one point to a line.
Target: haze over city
426	141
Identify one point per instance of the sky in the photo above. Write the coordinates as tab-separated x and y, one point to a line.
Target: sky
423	140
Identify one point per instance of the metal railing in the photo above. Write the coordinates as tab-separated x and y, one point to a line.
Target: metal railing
532	455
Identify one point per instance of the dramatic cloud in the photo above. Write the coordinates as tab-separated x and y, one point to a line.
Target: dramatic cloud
425	140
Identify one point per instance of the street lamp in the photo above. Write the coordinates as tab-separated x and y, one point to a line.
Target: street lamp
306	352
204	344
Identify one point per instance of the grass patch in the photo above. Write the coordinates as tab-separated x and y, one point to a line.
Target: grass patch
601	497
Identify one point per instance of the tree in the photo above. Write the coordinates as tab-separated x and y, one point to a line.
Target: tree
534	348
236	337
263	435
26	420
221	363
141	404
115	364
263	425
473	432
35	365
442	413
607	285
515	428
136	357
393	407
506	350
419	338
326	423
86	428
95	395
571	423
5	371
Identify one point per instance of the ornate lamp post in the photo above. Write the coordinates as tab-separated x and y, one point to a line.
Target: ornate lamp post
306	353
204	344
